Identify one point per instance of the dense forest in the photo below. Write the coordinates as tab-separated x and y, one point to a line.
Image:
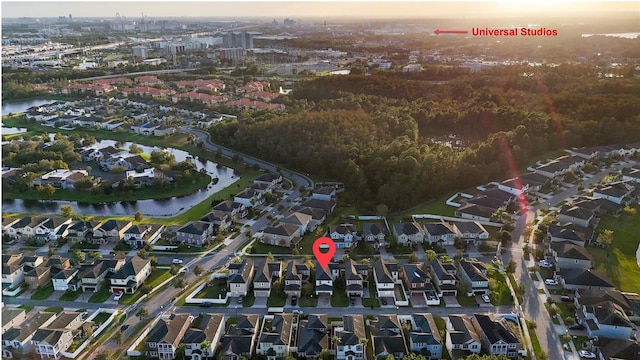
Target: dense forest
376	133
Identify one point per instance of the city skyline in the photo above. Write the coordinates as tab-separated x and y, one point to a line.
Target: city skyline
329	9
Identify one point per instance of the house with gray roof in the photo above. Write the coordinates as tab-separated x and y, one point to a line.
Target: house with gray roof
441	233
424	337
282	234
210	329
375	233
386	276
571	256
574	279
275	336
408	233
240	277
444	279
313	336
240	339
497	337
577	215
387	338
265	276
19	337
350	331
196	233
131	275
605	320
475	273
461	337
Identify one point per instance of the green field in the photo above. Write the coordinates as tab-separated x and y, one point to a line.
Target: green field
43	292
619	260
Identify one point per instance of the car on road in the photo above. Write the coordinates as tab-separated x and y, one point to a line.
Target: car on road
485	298
118	296
545	264
551	282
206	304
586	354
566	298
177	261
124	327
297	312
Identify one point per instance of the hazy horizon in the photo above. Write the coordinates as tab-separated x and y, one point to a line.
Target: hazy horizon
329	9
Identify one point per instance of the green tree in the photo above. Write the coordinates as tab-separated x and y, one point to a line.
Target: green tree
67	211
431	255
142	313
605	237
135	149
46	191
205	346
78	256
138	216
511	267
117	337
198	270
413	258
175	269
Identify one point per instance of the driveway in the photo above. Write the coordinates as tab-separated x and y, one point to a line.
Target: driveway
418	301
451	301
357	302
260	302
324	301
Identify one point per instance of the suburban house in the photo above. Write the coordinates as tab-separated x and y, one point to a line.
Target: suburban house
409	233
313	336
325	205
12	318
350	332
387	338
196	233
271	180
475	212
275	336
131	275
424	337
19	337
576	215
62	178
234	209
37	276
571	256
240	277
270	272
67	279
53	228
496	336
441	233
164	338
470	231
568	233
324	281
12	270
24	228
318	216
375	233
444	278
294	276
92	274
111	230
137	236
617	349
324	193
461	338
283	234
618	192
574	279
344	235
210	329
220	220
52	340
475	273
418	282
386	276
605	320
241	337
249	197
82	231
631	175
585	297
354	277
302	221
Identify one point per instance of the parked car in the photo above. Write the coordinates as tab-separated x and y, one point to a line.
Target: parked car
294	300
545	264
587	354
177	261
566	298
118	296
240	299
551	282
352	299
124	327
384	301
485	298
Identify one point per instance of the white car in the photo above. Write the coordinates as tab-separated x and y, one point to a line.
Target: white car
118	296
485	298
587	354
551	282
177	261
545	264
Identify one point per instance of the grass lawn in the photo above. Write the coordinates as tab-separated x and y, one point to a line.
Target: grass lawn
216	291
436	206
71	295
54	309
501	294
619	260
535	343
466	301
339	298
42	292
275	300
101	296
157	277
304	301
373	299
26	308
101	318
249	299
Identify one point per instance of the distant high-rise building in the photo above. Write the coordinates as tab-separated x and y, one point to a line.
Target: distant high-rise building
139	52
70	18
241	39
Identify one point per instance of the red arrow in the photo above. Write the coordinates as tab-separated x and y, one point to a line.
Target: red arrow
438	31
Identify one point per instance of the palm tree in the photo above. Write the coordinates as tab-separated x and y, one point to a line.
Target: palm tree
364	342
335	341
205	346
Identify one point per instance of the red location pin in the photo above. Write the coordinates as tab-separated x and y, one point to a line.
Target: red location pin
320	245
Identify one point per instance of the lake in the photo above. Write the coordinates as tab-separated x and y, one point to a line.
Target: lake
630	35
22	106
151	208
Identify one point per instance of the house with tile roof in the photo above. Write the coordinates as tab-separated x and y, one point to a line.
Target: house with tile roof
164	338
303	221
19	337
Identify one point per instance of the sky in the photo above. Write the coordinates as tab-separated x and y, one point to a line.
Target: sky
297	9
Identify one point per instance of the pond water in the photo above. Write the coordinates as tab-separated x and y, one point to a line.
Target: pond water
152	208
22	106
